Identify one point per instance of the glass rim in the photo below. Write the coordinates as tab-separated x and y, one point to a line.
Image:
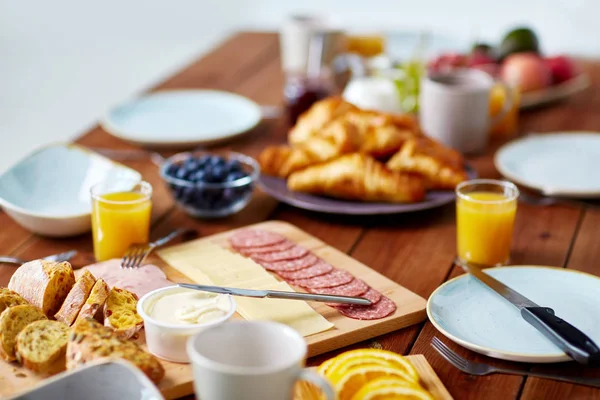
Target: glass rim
146	191
501	183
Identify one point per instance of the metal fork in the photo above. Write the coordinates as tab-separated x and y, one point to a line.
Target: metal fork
136	253
60	257
475	368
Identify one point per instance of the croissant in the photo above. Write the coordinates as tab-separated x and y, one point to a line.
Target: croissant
358	177
442	167
339	137
314	119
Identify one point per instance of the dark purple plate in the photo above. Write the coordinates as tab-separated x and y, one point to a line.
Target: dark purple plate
277	188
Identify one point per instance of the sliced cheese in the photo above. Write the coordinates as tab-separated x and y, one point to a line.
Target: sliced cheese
294	313
206	263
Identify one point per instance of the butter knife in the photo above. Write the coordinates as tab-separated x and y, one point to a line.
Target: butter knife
277	294
565	336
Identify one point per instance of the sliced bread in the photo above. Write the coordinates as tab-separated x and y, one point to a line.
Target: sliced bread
41	343
90	341
43	283
77	296
95	301
12	321
8	298
120	313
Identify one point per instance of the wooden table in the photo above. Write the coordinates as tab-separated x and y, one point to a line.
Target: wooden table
415	250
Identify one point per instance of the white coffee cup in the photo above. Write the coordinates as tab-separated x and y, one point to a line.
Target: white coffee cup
255	360
454	108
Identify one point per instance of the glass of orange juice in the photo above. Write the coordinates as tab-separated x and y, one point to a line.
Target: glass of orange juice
120	216
485	215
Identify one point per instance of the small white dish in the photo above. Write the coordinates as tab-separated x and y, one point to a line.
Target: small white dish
166	340
114	379
182	118
557	164
472	315
48	192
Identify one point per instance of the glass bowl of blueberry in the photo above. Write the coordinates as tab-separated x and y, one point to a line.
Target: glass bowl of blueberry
210	185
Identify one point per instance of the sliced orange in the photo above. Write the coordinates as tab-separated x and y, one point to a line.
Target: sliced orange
391	389
354	358
355	378
324	367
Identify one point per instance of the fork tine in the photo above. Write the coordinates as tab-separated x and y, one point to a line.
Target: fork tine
127	257
453	354
139	257
143	257
448	354
134	254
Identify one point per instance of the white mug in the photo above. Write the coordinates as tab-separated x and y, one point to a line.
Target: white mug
255	360
454	108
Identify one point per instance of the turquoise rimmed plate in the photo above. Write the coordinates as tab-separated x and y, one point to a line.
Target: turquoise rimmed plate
472	315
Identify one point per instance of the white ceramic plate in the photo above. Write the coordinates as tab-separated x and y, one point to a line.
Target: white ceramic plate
470	314
182	118
557	164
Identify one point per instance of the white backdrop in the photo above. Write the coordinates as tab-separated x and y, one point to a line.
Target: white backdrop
64	62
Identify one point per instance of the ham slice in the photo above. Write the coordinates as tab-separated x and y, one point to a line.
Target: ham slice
140	280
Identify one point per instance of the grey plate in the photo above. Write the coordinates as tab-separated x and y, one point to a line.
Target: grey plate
277	188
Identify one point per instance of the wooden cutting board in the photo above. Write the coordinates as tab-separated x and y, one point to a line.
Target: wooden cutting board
178	380
429	380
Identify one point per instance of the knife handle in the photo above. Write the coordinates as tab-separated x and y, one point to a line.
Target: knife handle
569	339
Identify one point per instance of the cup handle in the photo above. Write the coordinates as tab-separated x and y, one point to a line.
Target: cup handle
508	102
318	380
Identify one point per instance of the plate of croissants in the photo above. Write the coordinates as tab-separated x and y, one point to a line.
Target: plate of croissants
345	160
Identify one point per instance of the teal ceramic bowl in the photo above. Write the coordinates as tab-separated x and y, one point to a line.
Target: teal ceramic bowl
48	192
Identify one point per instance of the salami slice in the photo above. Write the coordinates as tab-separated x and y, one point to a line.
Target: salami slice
336	277
290	254
250	251
372	295
290	265
355	287
320	268
379	310
255	238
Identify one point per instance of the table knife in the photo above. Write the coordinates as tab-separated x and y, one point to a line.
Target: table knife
276	294
568	338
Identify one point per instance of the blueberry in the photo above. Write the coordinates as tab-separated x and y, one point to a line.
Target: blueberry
181	173
199	176
191	164
219	173
216	160
234	166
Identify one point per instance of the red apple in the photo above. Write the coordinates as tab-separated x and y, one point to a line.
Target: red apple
526	70
447	62
562	68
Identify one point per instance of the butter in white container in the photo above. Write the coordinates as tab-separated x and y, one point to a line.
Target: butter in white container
173	314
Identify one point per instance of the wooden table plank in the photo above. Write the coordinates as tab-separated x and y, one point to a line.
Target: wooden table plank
584	257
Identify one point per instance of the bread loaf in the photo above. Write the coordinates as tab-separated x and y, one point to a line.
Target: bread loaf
76	298
120	313
43	283
89	341
12	321
9	298
95	302
41	343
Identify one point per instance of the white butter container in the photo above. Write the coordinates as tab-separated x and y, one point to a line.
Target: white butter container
167	340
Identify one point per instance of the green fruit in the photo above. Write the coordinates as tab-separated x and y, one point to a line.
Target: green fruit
519	40
482	47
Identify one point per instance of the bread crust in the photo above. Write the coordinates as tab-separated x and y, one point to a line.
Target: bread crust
54	345
43	283
116	309
12	321
76	298
95	302
90	341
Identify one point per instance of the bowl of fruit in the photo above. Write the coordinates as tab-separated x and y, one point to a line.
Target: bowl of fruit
209	185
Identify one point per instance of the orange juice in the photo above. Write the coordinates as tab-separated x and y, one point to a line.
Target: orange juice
365	45
119	220
484	222
508	125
